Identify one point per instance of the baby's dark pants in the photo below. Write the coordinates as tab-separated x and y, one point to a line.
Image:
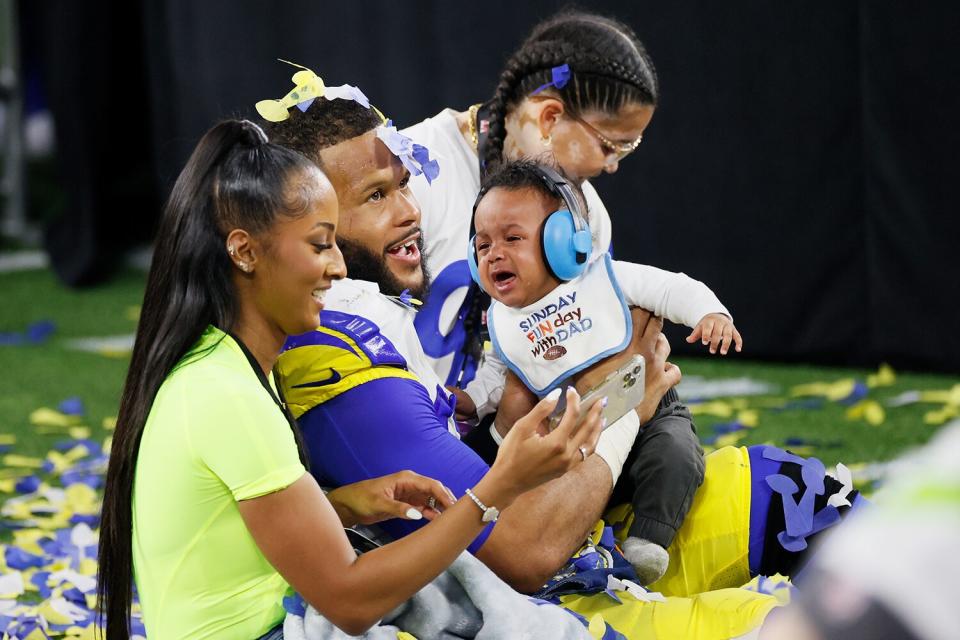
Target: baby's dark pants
662	472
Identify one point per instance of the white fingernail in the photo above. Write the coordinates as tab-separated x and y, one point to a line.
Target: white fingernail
553	395
413	514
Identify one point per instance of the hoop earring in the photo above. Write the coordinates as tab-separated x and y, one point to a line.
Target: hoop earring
547	140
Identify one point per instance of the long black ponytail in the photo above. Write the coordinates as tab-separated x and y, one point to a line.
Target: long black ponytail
233	179
609	68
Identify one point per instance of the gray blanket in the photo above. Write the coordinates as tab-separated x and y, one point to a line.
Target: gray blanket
465	601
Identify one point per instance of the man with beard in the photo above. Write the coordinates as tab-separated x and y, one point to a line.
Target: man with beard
361	386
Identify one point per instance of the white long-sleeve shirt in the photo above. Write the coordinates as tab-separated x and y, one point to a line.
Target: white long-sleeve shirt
673	296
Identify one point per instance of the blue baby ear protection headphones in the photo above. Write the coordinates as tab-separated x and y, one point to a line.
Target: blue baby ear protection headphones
565	236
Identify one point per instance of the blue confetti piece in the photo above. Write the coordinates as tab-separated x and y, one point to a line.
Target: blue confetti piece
859	392
295	605
613	595
39	579
76	597
303	106
728	427
607	540
11	339
88	519
19	559
72	406
47	467
136	626
39	332
79	477
28	484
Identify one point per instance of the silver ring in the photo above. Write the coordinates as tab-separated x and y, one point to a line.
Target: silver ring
432	503
583	452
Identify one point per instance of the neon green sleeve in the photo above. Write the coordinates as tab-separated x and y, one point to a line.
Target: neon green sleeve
244	439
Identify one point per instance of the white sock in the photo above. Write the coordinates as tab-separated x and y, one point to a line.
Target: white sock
648	558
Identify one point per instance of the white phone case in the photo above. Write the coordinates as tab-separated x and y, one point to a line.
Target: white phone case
623	388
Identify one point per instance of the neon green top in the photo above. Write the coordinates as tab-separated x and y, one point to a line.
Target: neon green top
214	436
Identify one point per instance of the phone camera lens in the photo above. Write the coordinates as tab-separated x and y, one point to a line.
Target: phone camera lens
636	370
627	378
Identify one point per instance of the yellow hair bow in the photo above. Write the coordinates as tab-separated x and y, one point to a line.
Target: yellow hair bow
309	87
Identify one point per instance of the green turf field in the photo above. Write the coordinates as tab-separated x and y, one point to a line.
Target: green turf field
43	375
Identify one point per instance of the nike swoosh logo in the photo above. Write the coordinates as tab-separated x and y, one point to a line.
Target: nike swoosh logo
333	379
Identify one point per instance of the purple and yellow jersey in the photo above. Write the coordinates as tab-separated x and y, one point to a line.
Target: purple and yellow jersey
363	414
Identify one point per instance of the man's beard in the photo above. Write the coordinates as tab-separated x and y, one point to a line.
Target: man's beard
363	264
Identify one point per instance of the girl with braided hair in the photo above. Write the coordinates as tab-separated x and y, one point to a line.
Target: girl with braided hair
578	94
585	121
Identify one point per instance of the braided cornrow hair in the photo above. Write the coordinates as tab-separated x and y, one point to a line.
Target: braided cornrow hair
609	68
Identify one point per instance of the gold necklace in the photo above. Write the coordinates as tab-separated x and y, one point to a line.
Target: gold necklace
472	115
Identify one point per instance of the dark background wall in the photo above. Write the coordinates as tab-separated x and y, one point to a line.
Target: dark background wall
802	161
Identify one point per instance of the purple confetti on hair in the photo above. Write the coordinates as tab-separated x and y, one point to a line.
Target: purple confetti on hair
559	77
303	106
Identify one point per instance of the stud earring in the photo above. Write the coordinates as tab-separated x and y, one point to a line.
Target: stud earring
245	267
231	250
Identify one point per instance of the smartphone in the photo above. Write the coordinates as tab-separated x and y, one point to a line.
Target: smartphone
623	389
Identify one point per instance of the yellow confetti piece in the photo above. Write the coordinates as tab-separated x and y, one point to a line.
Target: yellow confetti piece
80	433
85	633
8	485
60	462
16	460
47	417
884	377
116	354
81	497
76	453
869	410
748	418
833	391
730	439
107	442
110	423
88	567
307	85
7	439
403	635
939	416
45	430
597	626
53	616
27	540
12	474
945	396
717	408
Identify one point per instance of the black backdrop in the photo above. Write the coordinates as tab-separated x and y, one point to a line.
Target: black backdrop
802	161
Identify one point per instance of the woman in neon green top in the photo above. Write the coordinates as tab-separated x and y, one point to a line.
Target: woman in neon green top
207	505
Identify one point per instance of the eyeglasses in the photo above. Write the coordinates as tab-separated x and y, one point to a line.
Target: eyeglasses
618	149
